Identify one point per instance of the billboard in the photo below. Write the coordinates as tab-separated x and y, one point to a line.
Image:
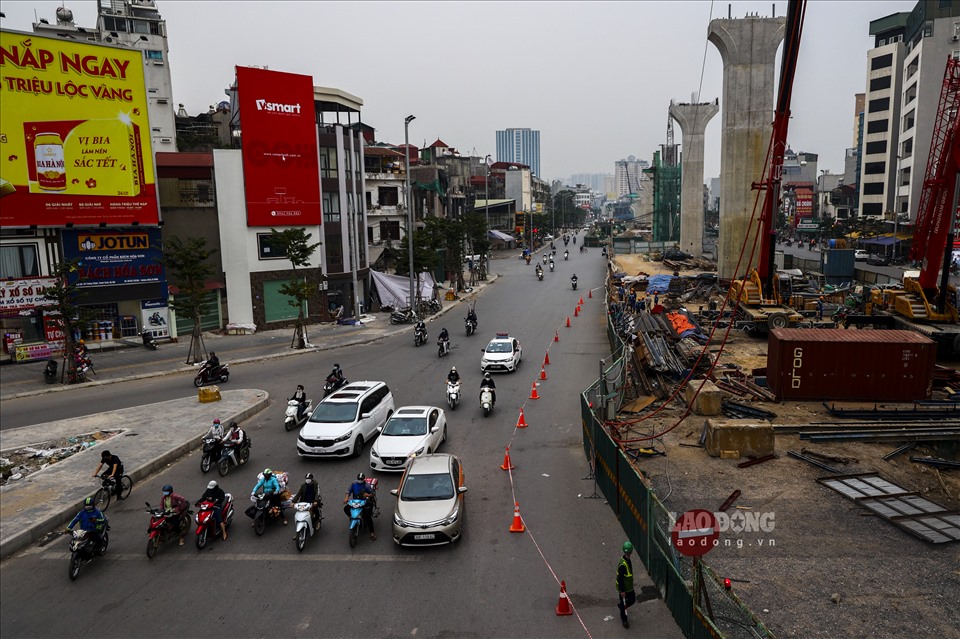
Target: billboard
110	258
74	137
18	295
279	147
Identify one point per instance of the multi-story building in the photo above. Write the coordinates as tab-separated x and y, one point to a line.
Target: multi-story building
594	180
627	175
520	146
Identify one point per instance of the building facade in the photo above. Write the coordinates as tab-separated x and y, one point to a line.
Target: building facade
521	146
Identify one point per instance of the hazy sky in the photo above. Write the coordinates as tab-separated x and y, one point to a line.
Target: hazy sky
595	78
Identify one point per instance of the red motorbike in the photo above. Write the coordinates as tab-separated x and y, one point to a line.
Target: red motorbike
164	526
207	524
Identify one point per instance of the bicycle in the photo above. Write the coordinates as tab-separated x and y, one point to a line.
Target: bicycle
101	500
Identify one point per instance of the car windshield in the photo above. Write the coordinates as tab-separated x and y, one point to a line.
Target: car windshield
329	412
499	347
427	487
402	426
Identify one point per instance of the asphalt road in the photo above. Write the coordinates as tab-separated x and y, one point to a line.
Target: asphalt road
490	584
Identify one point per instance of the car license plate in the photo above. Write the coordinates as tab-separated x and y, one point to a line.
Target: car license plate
425	536
394	462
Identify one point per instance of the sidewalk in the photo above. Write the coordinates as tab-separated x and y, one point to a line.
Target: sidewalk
136	362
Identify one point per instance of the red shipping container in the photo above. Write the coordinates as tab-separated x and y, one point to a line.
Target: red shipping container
839	364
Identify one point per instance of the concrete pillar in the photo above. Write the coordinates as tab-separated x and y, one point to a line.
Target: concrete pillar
748	47
693	119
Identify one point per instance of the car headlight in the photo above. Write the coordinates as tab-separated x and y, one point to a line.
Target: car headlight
419	451
452	518
343	438
373	453
398	520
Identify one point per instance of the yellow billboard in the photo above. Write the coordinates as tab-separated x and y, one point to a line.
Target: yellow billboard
74	137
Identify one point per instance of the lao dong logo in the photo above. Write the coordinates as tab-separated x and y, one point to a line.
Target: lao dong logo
277	107
743	521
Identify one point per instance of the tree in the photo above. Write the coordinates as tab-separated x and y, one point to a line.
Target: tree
475	227
188	267
447	235
425	257
295	244
63	295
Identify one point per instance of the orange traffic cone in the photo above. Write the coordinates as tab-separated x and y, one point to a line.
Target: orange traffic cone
507	464
568	322
556	336
581	300
517	525
522	423
589	293
543	373
533	393
576	311
546	359
563	606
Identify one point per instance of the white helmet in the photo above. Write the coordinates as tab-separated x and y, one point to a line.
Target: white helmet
212	485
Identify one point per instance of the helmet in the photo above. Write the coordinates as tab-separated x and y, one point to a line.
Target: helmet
212	484
167	489
212	354
81	342
308	476
267	472
335	365
88	504
627	547
216	421
486	375
821	297
232	425
361	477
453	369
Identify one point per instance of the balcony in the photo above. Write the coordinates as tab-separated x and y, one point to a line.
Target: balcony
390	175
383	210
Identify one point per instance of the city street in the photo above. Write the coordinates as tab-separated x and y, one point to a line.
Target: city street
490	584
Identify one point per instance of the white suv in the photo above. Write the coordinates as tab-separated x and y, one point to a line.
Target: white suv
344	421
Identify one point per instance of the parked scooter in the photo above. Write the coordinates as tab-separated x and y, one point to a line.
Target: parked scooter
212	449
83	550
486	401
297	414
149	342
262	512
403	316
209	375
453	394
207	523
420	334
50	372
443	347
164	526
308	521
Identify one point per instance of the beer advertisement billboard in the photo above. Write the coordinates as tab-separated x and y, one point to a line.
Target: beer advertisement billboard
279	147
74	137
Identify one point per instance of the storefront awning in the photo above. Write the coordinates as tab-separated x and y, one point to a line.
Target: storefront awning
497	235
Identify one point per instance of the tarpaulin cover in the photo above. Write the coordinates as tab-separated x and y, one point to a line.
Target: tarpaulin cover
882	241
658	283
394	290
497	235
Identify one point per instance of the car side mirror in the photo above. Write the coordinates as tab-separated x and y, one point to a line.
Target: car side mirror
379	429
365	415
434	429
393	492
462	489
483	350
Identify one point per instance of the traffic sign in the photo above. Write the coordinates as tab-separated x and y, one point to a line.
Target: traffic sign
695	533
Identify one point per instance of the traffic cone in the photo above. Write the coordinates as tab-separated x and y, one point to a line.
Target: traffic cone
589	293
563	606
556	336
517	525
533	393
543	373
576	311
507	464
546	359
581	300
568	321
522	423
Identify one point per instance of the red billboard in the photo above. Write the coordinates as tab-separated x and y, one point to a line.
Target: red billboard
279	146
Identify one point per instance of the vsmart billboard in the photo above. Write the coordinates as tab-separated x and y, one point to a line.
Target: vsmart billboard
74	136
279	147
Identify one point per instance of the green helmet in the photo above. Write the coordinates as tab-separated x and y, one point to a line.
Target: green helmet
627	547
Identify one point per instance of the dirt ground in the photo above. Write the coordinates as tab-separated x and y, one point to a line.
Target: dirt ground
810	563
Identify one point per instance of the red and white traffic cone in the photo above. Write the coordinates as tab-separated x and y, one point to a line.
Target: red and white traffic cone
517	525
563	606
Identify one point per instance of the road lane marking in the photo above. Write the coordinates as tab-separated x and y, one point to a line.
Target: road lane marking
210	556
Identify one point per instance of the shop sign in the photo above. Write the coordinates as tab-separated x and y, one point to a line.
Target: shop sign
16	295
31	352
53	331
155	316
109	258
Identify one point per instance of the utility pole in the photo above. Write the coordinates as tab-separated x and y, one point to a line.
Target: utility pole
406	149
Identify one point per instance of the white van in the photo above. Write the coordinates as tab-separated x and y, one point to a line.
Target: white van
343	422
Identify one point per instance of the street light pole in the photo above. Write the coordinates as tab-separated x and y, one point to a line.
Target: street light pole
406	149
896	210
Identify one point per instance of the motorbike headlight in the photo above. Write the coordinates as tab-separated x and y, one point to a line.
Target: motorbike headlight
451	518
344	437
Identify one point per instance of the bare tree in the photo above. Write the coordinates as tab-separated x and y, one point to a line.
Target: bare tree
189	268
294	243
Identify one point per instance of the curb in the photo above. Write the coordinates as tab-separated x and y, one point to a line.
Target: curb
39	529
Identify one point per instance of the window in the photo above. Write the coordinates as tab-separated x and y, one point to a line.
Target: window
331	207
910	94
877	126
368	198
195	192
153	54
876	147
878	84
928	29
328	162
389	230
880	104
873	188
388	195
908	121
874	168
334	250
881	62
872	208
266	248
19	261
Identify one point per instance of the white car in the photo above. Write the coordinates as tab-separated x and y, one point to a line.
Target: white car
503	353
859	255
344	421
411	431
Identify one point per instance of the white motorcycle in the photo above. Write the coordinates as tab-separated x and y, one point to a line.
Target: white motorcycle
305	522
551	267
486	400
295	418
453	394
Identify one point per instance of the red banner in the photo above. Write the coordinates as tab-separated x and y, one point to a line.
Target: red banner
280	166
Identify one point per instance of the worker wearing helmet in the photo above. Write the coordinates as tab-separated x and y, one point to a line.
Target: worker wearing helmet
627	595
93	521
820	308
215	494
361	489
172	502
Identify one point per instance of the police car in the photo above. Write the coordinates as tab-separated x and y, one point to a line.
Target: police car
503	353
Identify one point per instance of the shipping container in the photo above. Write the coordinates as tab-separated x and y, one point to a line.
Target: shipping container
837	263
840	364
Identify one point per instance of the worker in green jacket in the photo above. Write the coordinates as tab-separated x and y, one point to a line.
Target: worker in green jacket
628	596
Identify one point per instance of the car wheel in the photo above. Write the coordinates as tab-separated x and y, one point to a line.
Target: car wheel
444	437
358	446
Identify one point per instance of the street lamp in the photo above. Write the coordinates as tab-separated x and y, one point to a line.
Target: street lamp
486	208
406	149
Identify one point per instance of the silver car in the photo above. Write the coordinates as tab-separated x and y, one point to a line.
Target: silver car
430	506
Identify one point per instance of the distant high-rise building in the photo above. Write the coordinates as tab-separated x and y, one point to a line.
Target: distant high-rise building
627	175
593	180
520	145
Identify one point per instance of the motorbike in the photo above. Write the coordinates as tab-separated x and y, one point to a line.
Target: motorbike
297	414
486	400
544	258
402	316
453	394
212	449
82	550
148	341
211	374
207	523
307	520
443	347
420	336
565	255
604	252
164	526
354	510
540	275
332	384
583	249
233	456
574	282
551	266
50	372
261	512
471	325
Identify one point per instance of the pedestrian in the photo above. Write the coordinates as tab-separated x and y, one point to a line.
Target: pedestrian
627	596
820	308
656	299
632	300
622	293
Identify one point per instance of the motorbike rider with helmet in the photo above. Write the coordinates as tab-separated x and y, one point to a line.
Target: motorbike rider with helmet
114	471
573	280
539	270
335	378
234	439
472	316
91	520
309	491
215	494
301	396
453	376
487	382
271	489
213	361
361	490
445	338
175	503
215	430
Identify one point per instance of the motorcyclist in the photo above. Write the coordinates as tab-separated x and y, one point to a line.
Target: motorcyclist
420	327
301	396
91	520
336	376
234	439
114	471
565	254
215	430
445	338
361	490
539	270
552	265
175	503
213	362
487	382
81	348
472	316
309	491
271	489
215	494
453	376
573	280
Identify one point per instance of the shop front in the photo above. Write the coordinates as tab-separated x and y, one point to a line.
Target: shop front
26	324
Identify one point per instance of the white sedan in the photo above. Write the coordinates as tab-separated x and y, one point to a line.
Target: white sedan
410	431
503	353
